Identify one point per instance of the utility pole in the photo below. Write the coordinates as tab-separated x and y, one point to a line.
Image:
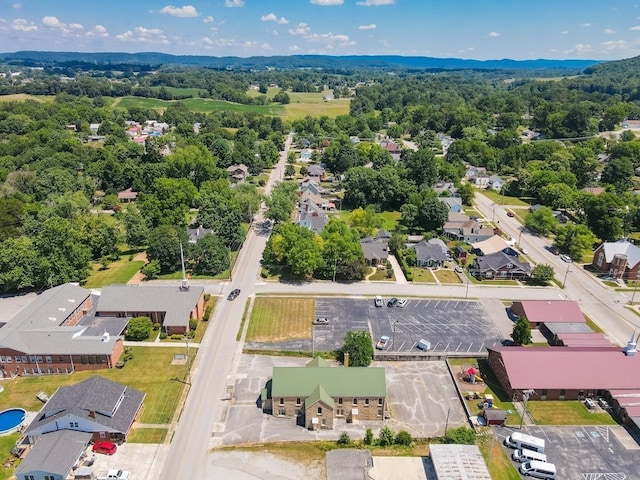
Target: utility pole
335	267
564	282
525	397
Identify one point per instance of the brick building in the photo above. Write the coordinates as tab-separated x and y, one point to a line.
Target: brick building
318	395
619	259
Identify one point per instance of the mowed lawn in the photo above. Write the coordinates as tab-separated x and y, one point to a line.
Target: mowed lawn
280	318
119	272
204	105
150	371
564	412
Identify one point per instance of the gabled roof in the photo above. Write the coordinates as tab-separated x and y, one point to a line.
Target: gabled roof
313	220
495	262
54	453
315	171
545	311
176	303
336	381
383	234
374	249
622	247
491	245
429	251
319	394
127	194
569	368
96	400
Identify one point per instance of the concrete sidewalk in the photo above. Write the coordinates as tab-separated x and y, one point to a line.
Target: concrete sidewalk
397	271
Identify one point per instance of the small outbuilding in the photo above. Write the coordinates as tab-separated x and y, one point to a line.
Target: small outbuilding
494	416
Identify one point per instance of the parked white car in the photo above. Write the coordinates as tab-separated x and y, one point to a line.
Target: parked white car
116	474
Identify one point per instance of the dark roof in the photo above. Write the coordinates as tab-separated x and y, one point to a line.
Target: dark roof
429	251
497	261
374	249
54	453
494	414
114	406
175	302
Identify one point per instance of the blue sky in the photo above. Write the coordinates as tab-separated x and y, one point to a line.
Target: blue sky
479	29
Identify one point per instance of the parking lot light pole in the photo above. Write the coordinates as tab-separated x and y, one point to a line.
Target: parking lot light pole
525	397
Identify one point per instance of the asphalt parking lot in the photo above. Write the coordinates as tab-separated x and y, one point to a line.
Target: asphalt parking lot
422	400
450	325
587	452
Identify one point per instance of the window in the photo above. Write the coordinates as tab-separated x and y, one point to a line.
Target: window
355	401
282	412
75	425
281	402
39	359
379	412
600	259
69	370
60	370
49	477
9	359
366	402
50	370
340	412
2	358
60	359
319	410
102	434
18	359
298	402
48	358
340	401
24	359
380	400
29	477
32	358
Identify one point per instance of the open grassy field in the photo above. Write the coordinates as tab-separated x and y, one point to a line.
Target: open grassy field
423	275
498	462
280	318
119	272
303	104
447	276
7	442
388	220
503	199
147	435
564	412
150	371
21	97
380	275
203	105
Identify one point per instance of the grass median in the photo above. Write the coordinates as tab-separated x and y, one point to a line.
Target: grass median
277	319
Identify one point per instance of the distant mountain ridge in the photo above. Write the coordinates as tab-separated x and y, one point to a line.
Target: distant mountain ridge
387	62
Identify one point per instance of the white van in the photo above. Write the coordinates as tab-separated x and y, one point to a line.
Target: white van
524	455
538	469
520	440
424	345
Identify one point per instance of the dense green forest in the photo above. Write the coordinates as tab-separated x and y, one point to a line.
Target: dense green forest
58	177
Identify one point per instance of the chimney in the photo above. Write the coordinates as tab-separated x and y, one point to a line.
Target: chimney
346	359
630	349
92	413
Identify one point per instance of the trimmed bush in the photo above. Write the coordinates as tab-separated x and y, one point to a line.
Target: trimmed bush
344	439
163	335
193	324
404	438
177	336
368	437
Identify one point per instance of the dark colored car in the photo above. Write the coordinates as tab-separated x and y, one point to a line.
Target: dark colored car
510	213
234	293
392	302
321	321
108	448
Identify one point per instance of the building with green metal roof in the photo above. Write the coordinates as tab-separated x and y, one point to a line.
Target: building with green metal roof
318	394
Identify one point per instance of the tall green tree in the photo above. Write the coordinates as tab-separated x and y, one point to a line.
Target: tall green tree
521	334
575	239
164	246
136	231
281	202
359	347
541	221
210	256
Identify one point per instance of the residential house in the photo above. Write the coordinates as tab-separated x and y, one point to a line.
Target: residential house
500	266
495	182
383	235
376	252
94	127
328	97
460	253
57	333
318	395
473	171
494	244
476	232
619	259
540	312
311	186
453	203
445	141
308	196
456	222
195	234
354	139
101	407
442	187
304	143
238	172
535	207
393	148
431	253
171	307
315	171
127	196
480	181
53	456
312	221
305	155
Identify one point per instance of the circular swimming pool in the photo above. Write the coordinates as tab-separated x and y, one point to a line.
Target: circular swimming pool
11	419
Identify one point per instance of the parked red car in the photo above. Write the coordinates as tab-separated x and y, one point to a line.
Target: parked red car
107	448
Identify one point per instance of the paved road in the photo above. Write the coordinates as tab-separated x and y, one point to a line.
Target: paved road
604	306
218	354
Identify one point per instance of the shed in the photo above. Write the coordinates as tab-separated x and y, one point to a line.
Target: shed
494	416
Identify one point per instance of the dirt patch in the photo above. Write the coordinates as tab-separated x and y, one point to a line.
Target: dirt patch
241	465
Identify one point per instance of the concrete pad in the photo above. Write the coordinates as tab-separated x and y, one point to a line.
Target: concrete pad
143	461
398	468
238	465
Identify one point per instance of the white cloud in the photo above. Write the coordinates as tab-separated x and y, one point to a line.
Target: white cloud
16	6
564	32
52	22
494	34
608	31
301	29
22	25
327	3
272	17
76	26
294	48
375	3
636	28
585	25
184	11
233	3
371	26
612	45
143	34
208	19
98	31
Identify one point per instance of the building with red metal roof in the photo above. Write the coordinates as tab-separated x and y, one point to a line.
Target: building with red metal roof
548	311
